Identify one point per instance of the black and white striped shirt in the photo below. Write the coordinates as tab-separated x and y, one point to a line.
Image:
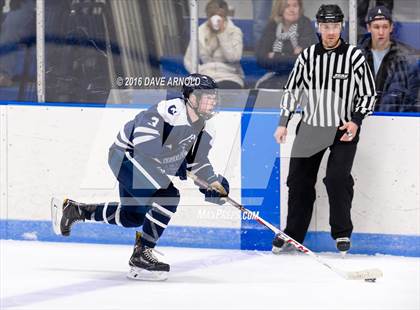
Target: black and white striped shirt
338	84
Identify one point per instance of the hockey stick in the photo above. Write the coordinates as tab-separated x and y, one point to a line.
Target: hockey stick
367	274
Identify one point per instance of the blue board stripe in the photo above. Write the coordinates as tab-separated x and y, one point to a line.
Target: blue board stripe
208	237
364	243
88	232
248	109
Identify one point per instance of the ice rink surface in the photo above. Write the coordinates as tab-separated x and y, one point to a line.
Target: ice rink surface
41	275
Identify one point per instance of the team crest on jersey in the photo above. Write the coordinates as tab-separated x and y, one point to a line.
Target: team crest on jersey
341	76
172	110
190	139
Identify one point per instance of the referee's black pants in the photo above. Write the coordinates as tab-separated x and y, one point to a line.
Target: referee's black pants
338	181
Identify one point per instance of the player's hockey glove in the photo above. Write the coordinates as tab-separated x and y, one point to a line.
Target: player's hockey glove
217	190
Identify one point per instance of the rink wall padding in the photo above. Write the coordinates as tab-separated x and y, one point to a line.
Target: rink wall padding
260	177
206	237
60	149
181	236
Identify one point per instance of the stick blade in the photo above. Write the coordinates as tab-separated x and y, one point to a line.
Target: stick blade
367	274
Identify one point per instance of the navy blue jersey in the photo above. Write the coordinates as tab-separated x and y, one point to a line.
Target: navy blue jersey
161	137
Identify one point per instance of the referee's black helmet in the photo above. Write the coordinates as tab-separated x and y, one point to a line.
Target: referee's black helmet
329	13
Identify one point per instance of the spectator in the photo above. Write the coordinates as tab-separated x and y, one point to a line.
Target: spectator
393	64
287	33
220	48
261	10
18	29
2	2
362	10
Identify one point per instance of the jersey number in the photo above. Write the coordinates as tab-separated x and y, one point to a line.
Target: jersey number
153	121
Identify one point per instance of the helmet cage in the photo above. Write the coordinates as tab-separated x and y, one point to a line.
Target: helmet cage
201	108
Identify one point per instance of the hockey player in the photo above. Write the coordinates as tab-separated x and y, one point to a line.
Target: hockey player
340	89
163	141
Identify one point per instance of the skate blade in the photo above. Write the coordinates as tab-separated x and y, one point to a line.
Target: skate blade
145	275
343	254
280	251
56	214
275	250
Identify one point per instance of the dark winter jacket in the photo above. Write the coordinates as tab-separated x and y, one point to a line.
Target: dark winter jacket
397	81
280	62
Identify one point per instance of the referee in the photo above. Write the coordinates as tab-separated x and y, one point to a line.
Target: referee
340	91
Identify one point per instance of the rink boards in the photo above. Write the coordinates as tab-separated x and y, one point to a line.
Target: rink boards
61	150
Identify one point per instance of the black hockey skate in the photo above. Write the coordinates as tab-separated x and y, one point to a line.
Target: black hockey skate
144	265
65	213
343	245
281	247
